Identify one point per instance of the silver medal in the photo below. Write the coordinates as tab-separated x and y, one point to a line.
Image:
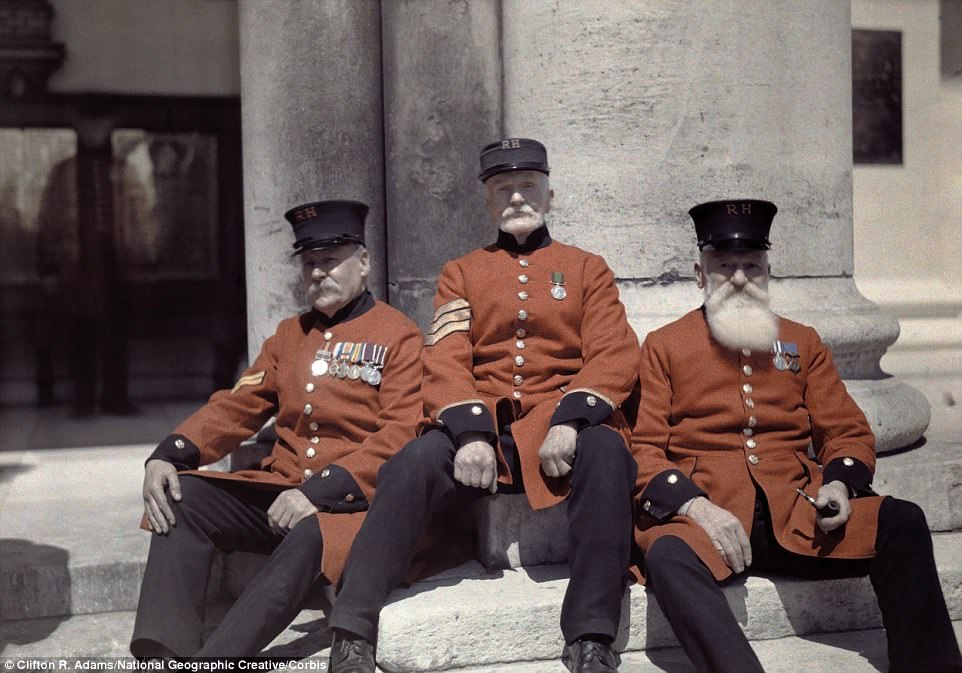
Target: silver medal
354	372
779	362
558	292
375	378
319	367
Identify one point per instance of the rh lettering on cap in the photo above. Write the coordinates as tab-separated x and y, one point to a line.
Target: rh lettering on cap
732	209
307	213
511	144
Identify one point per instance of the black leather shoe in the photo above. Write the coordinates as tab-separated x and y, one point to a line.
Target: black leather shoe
351	656
589	656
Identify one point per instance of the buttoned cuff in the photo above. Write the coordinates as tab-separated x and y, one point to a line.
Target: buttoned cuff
584	407
668	491
470	416
179	451
850	471
333	489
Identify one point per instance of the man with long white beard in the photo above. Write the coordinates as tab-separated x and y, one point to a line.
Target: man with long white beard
732	397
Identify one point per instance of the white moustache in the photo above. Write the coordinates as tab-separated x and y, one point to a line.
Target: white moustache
511	211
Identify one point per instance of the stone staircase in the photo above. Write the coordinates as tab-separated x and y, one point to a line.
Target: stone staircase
71	559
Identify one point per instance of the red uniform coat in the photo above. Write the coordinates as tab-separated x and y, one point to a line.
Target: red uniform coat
502	348
332	433
722	423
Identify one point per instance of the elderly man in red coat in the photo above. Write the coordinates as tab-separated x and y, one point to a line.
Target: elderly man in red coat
343	382
732	397
528	358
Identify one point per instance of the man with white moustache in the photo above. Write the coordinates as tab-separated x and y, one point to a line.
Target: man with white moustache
342	383
527	361
733	397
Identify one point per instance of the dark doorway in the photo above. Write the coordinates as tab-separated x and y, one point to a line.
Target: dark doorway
122	254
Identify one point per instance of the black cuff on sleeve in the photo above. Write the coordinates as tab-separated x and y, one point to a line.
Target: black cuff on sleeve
333	489
850	471
467	417
179	451
583	408
668	491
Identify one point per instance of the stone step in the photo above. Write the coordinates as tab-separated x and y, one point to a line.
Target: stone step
106	635
69	542
473	618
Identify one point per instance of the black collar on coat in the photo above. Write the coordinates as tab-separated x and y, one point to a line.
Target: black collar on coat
539	238
358	306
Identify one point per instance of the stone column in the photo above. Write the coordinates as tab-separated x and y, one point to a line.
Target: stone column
442	102
312	129
651	106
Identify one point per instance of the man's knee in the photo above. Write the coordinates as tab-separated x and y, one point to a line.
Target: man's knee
428	455
902	520
304	537
664	557
193	491
601	448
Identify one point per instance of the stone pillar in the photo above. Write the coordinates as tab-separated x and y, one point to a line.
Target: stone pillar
442	102
312	129
651	106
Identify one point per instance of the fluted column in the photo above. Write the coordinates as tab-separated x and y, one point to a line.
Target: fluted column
650	106
312	129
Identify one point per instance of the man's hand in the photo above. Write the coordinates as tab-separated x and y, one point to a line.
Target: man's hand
158	475
557	452
837	492
475	463
288	509
726	533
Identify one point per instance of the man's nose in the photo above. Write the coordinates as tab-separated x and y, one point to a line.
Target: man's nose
318	273
739	279
517	199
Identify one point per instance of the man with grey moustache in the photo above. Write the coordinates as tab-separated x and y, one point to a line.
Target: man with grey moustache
732	397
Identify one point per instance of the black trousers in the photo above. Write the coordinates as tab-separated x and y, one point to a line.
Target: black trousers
903	574
230	516
419	481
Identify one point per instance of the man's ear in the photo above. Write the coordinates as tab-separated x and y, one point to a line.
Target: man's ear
699	276
365	259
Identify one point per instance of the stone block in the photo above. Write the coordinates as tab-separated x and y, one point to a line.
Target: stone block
931	477
511	534
482	619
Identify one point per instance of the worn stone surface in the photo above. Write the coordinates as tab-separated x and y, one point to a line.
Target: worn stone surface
650	107
511	534
442	102
312	129
510	616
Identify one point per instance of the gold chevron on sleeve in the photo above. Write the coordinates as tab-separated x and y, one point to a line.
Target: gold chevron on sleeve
254	379
450	317
434	336
453	305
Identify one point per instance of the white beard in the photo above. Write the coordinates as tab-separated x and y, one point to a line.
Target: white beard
740	319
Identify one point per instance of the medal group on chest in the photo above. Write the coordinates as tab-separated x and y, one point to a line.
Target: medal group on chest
349	360
785	356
